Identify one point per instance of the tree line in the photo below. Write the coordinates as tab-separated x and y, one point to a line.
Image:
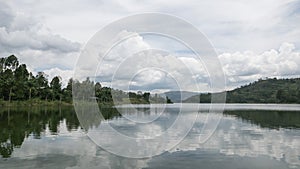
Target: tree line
86	89
18	84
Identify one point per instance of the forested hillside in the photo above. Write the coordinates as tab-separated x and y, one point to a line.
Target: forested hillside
262	91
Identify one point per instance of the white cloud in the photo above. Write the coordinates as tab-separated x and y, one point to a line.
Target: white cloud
37	35
154	69
249	66
23	39
40	60
134	64
231	25
25	36
64	74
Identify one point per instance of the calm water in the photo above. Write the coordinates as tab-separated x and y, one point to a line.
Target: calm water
247	137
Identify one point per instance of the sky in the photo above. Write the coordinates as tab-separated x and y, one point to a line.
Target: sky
253	39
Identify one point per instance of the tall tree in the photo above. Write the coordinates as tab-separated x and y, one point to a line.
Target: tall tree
2	64
55	86
21	78
8	84
146	97
67	92
11	62
31	86
42	85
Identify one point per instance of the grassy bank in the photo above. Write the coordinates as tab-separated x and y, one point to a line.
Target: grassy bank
34	102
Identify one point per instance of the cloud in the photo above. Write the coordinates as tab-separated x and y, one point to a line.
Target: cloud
26	37
12	41
135	65
19	31
64	74
6	14
230	25
248	66
136	72
246	34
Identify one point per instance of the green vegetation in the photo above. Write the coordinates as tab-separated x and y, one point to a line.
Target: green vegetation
262	91
269	119
18	84
18	87
109	96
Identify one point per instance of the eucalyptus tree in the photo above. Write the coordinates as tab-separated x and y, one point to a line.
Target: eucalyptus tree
55	86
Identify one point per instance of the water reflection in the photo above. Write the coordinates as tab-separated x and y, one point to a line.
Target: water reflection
269	119
53	138
18	123
237	137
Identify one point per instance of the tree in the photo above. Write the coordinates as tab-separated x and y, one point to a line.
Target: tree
97	86
2	64
11	62
55	86
31	85
41	83
21	86
67	92
8	66
146	97
8	84
105	95
84	90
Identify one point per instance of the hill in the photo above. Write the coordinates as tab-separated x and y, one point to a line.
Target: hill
261	91
178	96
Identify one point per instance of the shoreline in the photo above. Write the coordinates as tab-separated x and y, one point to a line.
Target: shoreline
34	103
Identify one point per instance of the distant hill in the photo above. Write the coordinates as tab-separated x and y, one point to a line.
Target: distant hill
178	96
261	91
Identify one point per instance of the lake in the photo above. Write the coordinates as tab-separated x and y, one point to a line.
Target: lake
244	136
